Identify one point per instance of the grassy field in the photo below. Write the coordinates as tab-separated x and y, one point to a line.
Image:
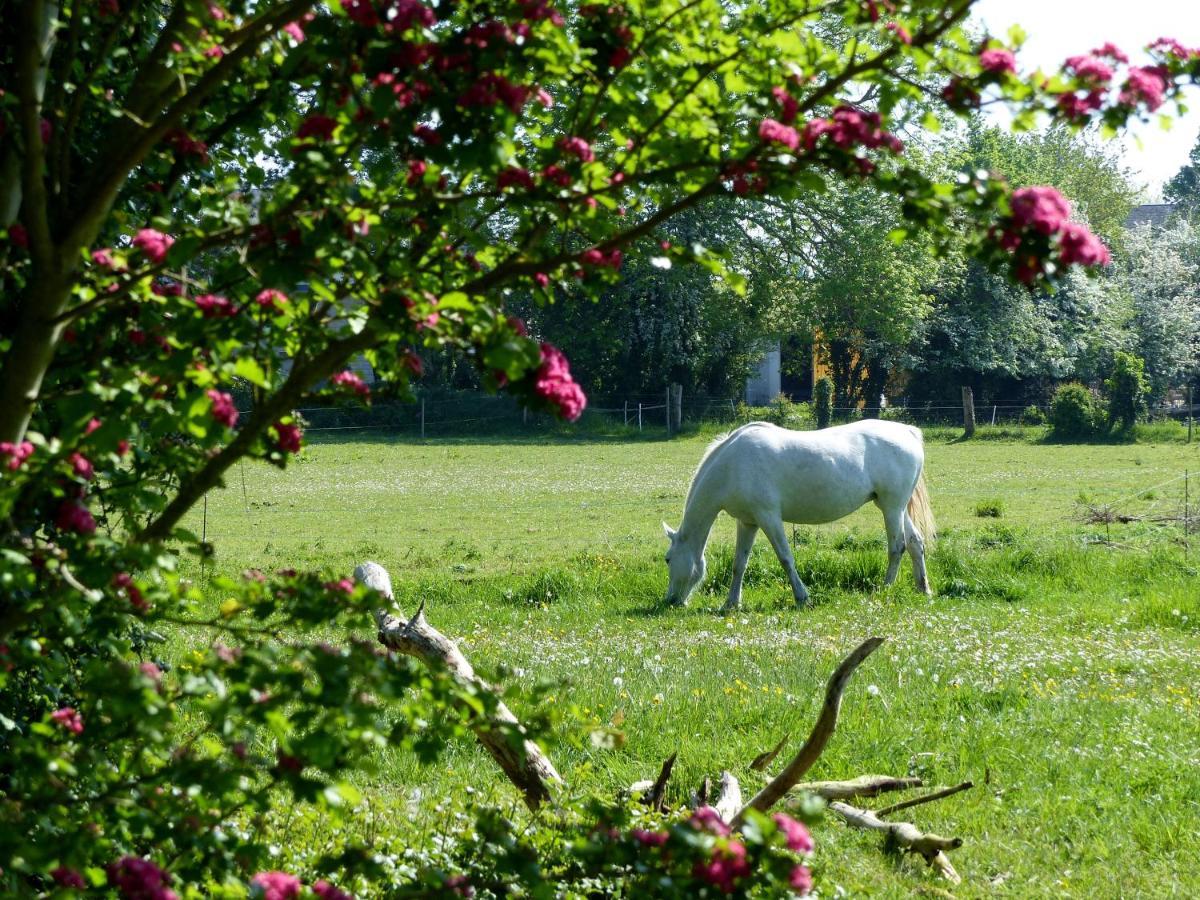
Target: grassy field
1058	666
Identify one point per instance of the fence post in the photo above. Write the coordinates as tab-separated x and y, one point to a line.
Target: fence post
1189	402
994	414
667	411
422	418
639	415
968	398
732	411
677	405
626	413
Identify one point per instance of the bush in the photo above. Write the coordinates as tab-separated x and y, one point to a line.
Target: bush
989	509
1033	415
1127	389
1073	412
823	401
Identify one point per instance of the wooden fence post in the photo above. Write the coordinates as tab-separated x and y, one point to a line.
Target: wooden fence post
677	405
968	399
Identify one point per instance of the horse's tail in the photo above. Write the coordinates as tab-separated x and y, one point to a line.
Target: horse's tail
921	512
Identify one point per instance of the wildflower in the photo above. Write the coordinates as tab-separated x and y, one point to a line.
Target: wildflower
224	410
275	886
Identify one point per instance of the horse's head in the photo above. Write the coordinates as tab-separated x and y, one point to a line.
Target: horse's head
685	566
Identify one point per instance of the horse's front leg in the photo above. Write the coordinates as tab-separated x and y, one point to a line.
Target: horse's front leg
746	532
777	535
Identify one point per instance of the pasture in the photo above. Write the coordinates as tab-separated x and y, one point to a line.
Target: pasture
1057	666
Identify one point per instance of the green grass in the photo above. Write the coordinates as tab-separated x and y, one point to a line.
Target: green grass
1057	667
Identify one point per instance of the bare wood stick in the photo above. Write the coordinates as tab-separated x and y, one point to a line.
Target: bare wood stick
822	731
655	796
862	786
925	798
905	835
729	797
765	759
526	766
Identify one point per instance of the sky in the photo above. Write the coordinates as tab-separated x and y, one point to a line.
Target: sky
1057	29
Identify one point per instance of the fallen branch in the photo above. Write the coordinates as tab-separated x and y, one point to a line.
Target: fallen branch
765	759
862	786
904	835
523	761
655	795
925	798
822	731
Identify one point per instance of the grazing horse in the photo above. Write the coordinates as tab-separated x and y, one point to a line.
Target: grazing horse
764	475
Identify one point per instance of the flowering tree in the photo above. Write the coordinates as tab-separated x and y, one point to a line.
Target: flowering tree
194	192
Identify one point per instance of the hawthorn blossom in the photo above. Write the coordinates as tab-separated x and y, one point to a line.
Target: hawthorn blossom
1090	69
725	867
74	516
318	126
705	818
140	879
69	719
16	453
1079	245
275	886
82	466
649	838
788	106
271	299
1145	85
772	130
327	891
1043	208
797	836
998	61
800	880
103	258
553	382
154	244
351	381
215	306
63	876
287	437
541	279
416	171
514	176
224	410
577	146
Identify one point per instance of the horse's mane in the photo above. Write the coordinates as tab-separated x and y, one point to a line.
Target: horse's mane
716	444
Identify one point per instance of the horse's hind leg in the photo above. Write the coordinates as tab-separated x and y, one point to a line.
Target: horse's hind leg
894	522
916	551
776	534
746	532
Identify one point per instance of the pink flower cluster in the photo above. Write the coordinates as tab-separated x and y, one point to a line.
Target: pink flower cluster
327	891
598	257
287	437
224	410
1089	69
578	147
82	466
727	864
271	300
275	886
1146	85
154	244
140	879
794	833
1043	210
123	581
317	126
492	88
553	382
214	306
705	818
16	453
68	878
514	176
74	516
69	719
998	61
352	382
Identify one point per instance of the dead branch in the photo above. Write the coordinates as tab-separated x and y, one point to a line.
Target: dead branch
526	766
822	731
655	796
904	835
765	759
925	798
862	786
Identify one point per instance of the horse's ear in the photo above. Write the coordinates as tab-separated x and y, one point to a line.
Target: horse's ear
668	531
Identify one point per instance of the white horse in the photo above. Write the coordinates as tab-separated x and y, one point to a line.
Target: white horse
764	475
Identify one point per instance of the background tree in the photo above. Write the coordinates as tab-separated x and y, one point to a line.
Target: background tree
1184	186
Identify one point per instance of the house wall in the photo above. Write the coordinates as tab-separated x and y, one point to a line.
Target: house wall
763	386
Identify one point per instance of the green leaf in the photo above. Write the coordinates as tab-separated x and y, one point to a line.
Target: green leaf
248	368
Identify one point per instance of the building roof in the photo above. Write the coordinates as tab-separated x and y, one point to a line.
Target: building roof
1153	214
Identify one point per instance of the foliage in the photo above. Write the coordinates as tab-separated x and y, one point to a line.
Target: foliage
1127	389
1074	413
197	196
1033	415
823	401
1184	186
989	509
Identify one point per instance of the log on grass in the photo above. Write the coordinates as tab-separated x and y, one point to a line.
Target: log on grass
904	835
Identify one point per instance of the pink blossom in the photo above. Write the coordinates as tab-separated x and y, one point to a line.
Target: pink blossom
998	61
287	437
460	886
796	835
63	876
902	33
167	289
92	426
343	586
103	258
416	171
491	88
800	880
1145	85
153	243
553	382
224	410
577	146
1174	48
1043	208
401	15
123	581
327	891
1111	51
215	306
82	466
536	10
1090	69
187	145
216	12
1076	108
69	719
772	130
271	299
544	98
517	324
276	886
541	279
214	52
318	126
427	134
1080	246
788	107
362	12
413	363
726	866
813	130
140	879
705	818
74	516
353	382
16	453
514	176
151	671
649	838
295	31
